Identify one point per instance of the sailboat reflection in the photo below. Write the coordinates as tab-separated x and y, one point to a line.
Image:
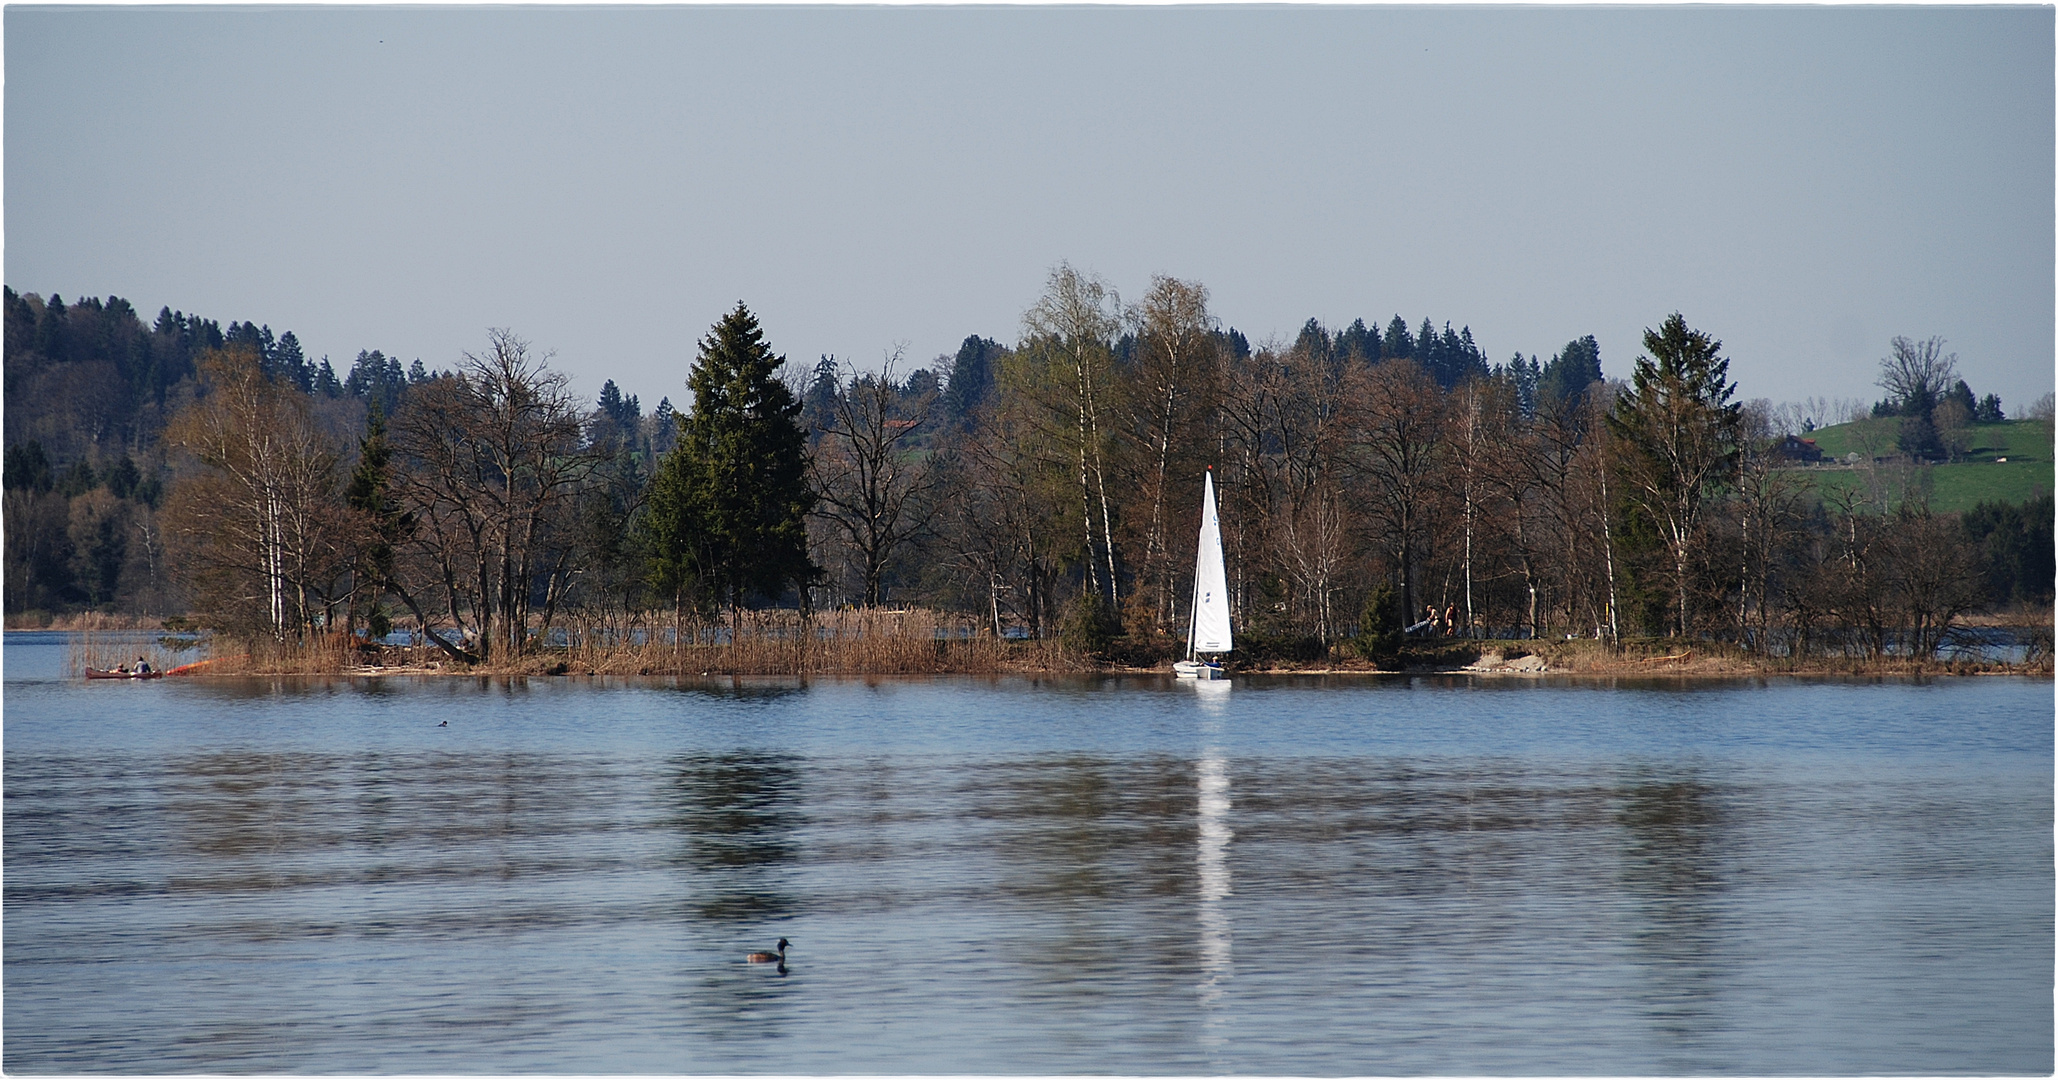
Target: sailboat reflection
1216	961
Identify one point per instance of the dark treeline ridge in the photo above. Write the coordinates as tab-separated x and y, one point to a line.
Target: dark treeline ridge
1047	489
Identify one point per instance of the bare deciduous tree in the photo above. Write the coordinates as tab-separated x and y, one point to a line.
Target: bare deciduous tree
1399	450
1066	360
1915	374
876	490
1169	395
258	526
488	461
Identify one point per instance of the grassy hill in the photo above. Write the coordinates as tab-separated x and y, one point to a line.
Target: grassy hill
1982	476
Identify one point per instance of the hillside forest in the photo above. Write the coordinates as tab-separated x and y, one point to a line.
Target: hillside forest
1370	477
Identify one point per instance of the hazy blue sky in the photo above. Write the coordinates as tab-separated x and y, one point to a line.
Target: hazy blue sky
1804	183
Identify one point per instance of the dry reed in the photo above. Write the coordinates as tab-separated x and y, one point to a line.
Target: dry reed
106	649
847	642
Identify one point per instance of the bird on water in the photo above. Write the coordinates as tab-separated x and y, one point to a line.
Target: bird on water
770	958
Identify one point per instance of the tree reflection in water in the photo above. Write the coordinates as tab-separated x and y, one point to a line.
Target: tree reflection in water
1096	873
1672	868
736	816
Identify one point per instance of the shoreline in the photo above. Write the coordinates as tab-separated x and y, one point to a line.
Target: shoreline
905	655
1709	672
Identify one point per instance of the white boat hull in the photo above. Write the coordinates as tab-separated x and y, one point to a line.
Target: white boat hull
1198	669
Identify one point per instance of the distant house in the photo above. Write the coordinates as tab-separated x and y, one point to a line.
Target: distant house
1796	449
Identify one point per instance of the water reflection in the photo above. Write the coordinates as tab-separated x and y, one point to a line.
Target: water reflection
1065	879
1211	860
1213	866
756	690
1672	865
736	816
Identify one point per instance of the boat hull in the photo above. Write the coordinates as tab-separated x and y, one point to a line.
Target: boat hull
1198	669
96	673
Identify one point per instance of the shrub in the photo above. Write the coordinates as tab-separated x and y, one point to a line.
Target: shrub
1090	625
1379	628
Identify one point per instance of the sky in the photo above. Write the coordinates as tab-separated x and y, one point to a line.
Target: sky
1802	183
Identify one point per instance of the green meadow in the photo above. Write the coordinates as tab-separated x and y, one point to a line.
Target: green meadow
2008	462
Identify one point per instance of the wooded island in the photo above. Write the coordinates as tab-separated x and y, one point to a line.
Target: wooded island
1031	505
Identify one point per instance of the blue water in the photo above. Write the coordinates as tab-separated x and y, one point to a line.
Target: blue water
1305	876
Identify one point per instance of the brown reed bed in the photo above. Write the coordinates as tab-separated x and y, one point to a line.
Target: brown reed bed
106	648
82	621
924	642
842	642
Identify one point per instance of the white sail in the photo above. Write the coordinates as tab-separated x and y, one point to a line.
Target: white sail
1210	584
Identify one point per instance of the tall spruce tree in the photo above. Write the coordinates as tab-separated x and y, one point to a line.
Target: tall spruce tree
385	524
1563	383
728	506
1677	435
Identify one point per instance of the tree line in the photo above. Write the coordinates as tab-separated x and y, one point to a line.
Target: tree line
1370	479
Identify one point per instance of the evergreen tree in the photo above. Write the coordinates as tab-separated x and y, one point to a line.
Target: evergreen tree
1962	394
1525	375
969	380
922	383
1565	381
123	478
291	364
1398	344
1677	437
27	467
1360	341
369	493
1989	410
1464	360
728	506
664	428
1918	437
50	329
818	401
77	480
1380	626
2017	544
1314	343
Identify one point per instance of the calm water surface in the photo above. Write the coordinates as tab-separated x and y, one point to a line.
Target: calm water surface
1005	875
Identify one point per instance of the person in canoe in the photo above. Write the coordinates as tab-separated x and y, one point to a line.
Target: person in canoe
142	666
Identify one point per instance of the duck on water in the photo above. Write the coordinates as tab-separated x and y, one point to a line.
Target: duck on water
769	958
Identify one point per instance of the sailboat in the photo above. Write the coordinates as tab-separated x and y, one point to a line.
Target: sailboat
1208	632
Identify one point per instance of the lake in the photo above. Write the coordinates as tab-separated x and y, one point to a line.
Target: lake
999	875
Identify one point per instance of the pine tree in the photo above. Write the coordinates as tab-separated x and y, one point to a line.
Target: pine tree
50	330
728	506
370	494
1566	379
291	363
1677	435
1359	340
970	380
1398	344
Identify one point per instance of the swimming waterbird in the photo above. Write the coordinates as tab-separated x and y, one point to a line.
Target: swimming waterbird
770	958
